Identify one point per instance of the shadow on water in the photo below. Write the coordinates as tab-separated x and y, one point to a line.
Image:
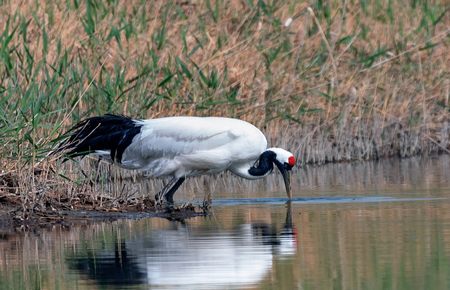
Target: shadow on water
177	256
109	267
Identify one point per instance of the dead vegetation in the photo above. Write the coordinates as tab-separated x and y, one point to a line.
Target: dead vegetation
331	81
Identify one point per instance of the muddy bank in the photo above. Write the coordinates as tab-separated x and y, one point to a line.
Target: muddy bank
14	217
68	204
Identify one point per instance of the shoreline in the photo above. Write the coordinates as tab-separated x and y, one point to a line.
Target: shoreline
94	207
12	217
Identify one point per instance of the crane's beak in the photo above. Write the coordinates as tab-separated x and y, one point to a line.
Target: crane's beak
287	182
286	177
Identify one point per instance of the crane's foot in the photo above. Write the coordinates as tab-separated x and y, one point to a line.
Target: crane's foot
162	200
159	198
165	196
206	204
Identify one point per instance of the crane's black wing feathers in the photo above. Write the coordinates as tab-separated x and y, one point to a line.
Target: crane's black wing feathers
108	132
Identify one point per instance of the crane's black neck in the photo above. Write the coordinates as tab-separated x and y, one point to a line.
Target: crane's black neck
264	165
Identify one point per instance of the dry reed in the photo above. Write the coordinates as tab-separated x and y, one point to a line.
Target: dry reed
331	81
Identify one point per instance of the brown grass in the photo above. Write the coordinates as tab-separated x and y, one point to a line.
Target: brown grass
344	81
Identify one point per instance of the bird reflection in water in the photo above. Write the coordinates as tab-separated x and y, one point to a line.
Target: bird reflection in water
180	257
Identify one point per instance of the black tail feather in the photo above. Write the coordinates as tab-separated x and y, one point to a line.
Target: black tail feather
107	132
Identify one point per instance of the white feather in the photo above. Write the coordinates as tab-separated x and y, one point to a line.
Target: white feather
187	146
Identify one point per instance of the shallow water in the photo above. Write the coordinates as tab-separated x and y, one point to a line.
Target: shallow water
374	225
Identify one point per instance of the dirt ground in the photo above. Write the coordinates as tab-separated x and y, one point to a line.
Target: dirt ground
13	216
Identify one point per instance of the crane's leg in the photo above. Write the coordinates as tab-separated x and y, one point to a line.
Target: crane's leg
160	195
168	190
169	195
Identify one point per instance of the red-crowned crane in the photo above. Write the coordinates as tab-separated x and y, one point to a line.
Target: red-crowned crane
179	147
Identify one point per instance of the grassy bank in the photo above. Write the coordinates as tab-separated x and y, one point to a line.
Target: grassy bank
329	80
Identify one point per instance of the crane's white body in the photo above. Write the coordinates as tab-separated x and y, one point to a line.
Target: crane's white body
190	146
179	147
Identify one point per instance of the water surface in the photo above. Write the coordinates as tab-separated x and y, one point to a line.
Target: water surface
375	225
